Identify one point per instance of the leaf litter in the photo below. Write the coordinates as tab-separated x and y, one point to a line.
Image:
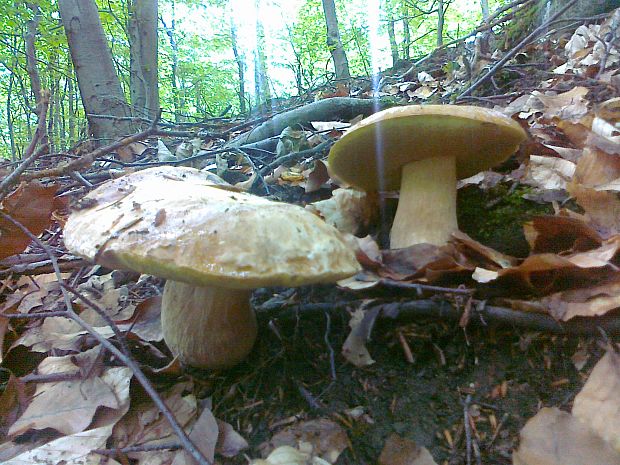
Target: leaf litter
572	272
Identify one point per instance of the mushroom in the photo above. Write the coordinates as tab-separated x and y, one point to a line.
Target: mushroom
214	245
423	150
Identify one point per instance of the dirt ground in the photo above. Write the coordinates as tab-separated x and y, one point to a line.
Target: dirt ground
507	373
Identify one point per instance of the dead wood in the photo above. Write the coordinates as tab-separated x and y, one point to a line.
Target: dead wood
331	109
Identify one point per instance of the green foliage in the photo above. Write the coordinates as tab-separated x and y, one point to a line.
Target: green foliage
207	78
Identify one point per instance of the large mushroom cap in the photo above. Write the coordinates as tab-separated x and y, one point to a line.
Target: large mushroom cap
371	154
176	224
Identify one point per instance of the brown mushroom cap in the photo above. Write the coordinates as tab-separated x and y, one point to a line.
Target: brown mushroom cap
176	224
371	154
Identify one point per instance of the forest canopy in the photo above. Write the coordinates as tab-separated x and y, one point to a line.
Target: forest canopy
214	57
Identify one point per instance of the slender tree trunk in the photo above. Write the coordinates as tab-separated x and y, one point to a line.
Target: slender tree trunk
99	85
441	15
484	6
341	65
240	60
262	92
72	116
142	27
170	31
31	62
406	34
392	37
9	117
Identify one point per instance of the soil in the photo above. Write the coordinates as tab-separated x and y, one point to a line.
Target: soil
507	373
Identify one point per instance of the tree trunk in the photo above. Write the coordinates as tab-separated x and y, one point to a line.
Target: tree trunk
406	34
262	91
392	37
170	31
484	6
341	65
142	28
31	62
240	60
99	85
441	14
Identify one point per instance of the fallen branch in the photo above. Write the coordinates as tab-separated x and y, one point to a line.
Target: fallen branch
85	161
337	108
296	156
405	311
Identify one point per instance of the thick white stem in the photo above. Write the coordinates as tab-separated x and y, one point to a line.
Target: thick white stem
427	207
207	327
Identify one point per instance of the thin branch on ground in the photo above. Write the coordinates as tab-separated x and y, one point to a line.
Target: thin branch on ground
294	157
126	358
87	160
535	33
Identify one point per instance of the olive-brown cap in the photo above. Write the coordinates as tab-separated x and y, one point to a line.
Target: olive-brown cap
371	154
174	223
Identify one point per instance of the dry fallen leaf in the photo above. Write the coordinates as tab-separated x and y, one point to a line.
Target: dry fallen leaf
32	205
70	406
69	450
348	210
598	403
319	438
402	451
554	437
354	347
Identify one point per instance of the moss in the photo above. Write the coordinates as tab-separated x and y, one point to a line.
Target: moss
495	217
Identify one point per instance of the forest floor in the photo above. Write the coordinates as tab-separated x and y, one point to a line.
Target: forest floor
461	387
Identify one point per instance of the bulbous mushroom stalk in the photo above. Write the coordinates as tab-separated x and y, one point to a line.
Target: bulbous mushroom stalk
214	245
427	205
211	327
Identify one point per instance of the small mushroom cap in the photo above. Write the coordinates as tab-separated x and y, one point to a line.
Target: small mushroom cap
371	154
176	224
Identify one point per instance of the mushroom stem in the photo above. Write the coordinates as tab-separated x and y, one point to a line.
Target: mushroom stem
427	207
207	327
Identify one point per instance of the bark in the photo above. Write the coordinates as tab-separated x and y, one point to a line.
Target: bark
341	65
406	34
331	109
99	85
142	28
31	61
484	6
392	37
262	92
441	15
174	56
240	60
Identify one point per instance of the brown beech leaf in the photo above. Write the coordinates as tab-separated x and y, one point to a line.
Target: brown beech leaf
316	177
554	437
588	301
321	437
598	403
594	169
556	234
32	205
69	406
402	451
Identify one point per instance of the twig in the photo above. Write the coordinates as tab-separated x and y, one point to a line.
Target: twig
143	448
403	311
543	27
89	158
296	156
51	377
127	359
467	428
332	358
30	154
